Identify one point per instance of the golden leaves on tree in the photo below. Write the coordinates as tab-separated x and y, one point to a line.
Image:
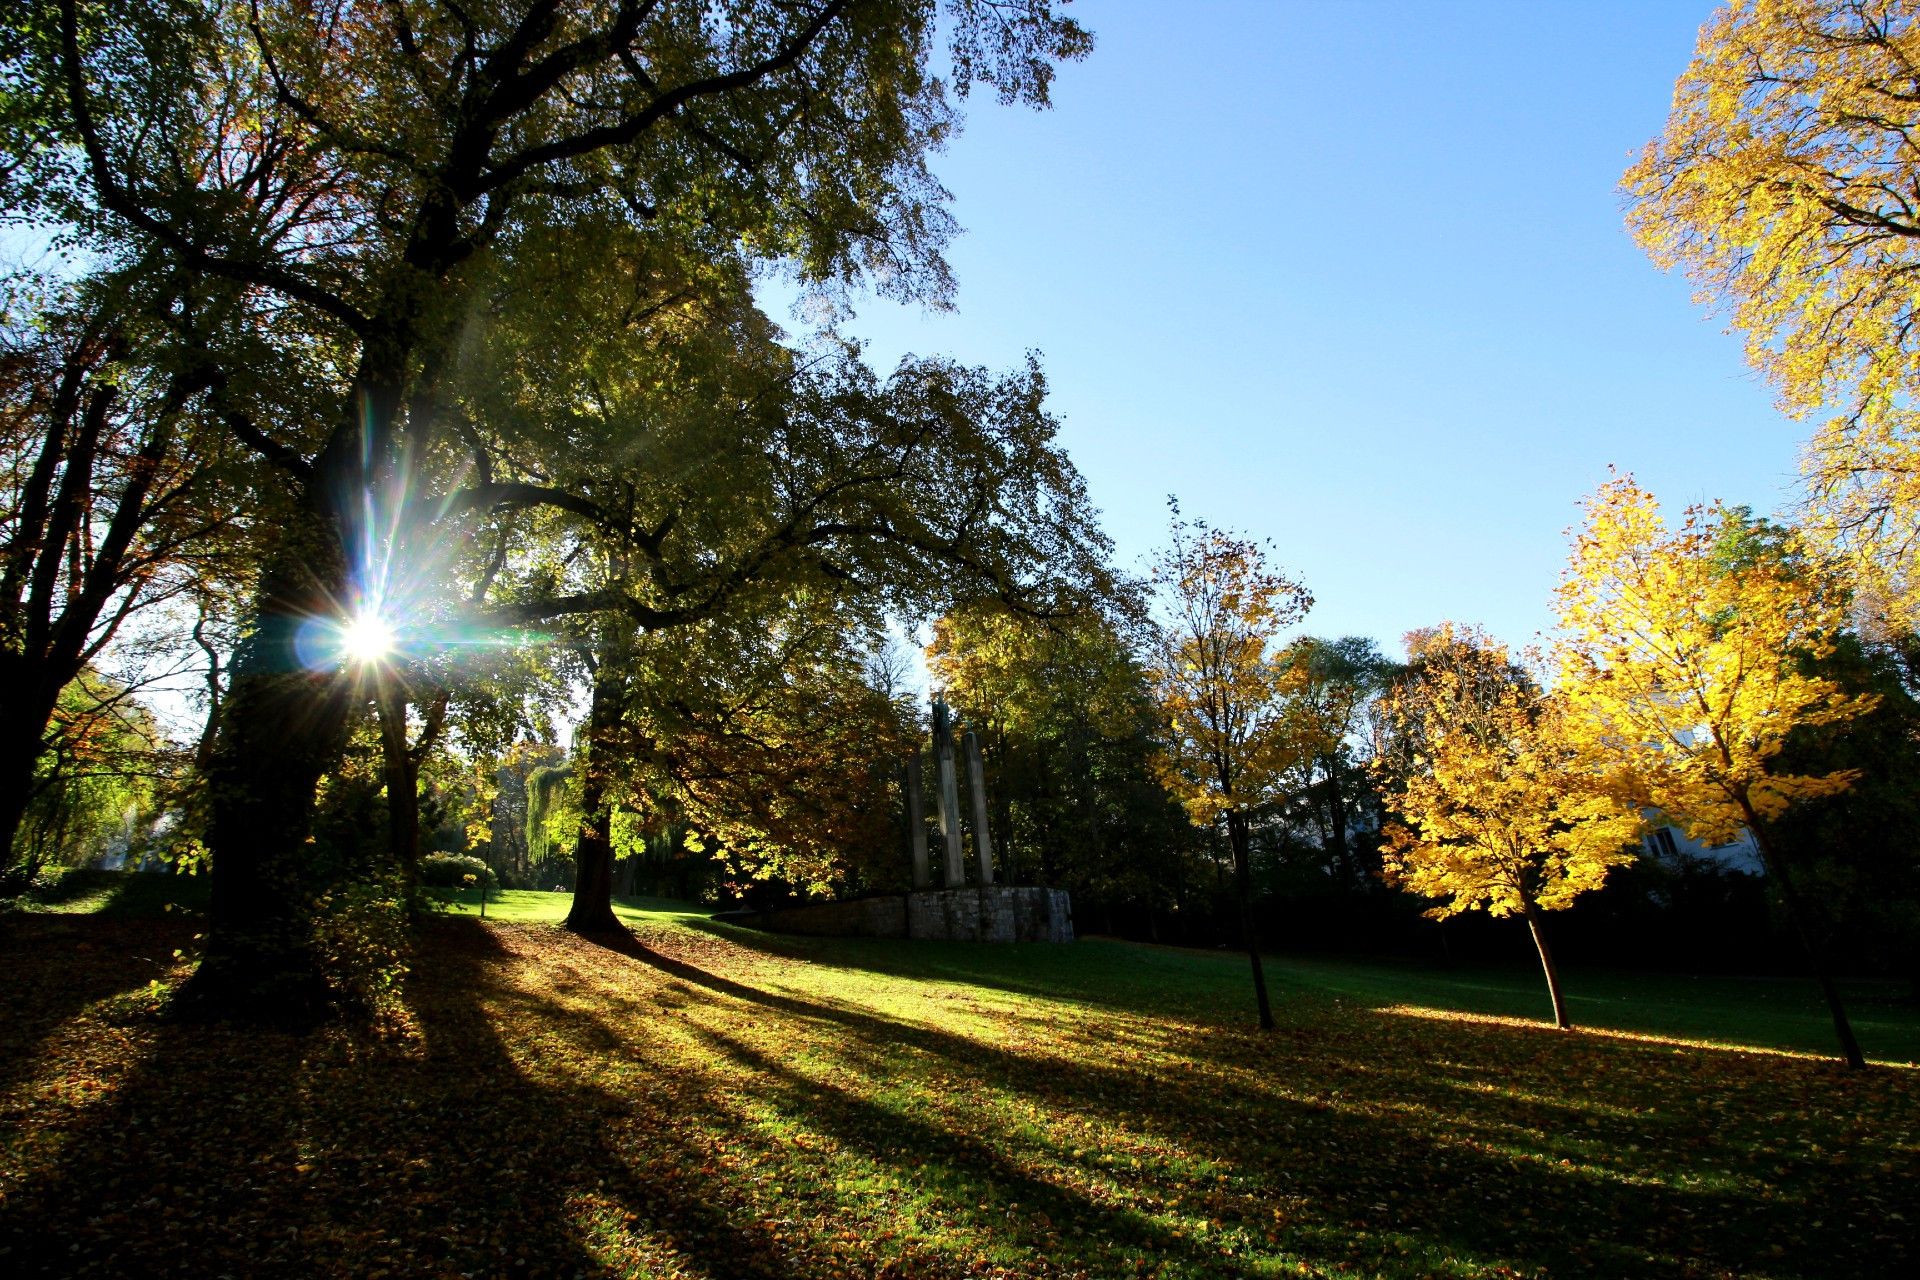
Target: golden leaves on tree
1230	727
1502	808
1685	654
1784	185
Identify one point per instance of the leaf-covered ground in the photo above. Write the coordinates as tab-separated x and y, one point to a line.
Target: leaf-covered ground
702	1101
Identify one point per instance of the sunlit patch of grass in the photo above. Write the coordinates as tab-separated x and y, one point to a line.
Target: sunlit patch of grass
543	906
1607	1033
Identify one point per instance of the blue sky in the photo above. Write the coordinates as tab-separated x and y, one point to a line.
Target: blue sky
1353	277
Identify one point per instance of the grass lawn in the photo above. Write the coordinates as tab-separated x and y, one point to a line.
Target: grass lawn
702	1100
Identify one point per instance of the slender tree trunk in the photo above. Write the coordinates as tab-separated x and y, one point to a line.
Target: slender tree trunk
1803	926
1535	924
1337	819
403	786
1243	881
592	910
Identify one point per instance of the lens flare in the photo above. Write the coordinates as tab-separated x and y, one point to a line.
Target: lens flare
366	638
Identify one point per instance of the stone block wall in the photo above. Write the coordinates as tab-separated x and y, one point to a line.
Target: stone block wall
860	918
997	913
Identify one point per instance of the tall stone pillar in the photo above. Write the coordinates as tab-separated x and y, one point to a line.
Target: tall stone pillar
977	775
949	793
917	823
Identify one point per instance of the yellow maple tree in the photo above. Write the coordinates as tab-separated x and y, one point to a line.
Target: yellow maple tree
1228	731
1686	654
1784	184
1497	808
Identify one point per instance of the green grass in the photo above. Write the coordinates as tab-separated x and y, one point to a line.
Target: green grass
541	906
113	893
704	1100
1766	1013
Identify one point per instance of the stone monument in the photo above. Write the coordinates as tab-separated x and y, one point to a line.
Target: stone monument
949	792
977	774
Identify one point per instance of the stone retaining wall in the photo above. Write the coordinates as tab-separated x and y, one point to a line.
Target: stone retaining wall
997	913
861	918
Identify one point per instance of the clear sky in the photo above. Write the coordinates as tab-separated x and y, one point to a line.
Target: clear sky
1352	276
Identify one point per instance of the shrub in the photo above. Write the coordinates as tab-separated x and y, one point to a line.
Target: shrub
360	934
450	871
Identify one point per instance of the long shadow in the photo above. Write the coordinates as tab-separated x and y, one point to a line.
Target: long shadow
1079	972
532	1126
57	965
984	1169
231	1150
1445	1167
1188	982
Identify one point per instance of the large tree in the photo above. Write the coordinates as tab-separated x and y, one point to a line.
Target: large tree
353	177
1785	185
1691	655
1069	729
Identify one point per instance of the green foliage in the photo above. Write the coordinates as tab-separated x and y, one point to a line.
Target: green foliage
1854	853
1068	732
552	816
98	783
1330	802
759	739
452	871
349	841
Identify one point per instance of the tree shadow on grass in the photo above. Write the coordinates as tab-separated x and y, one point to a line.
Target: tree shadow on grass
57	965
1383	1140
1082	972
565	1108
241	1151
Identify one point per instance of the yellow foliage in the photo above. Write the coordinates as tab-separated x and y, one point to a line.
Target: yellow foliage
1231	731
1785	185
1503	809
1688	663
1866	476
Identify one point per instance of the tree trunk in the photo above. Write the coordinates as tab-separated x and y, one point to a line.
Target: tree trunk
1797	911
281	728
1534	924
592	910
285	723
21	746
1243	881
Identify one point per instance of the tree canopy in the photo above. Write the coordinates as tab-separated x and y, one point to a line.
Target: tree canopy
1502	810
1230	734
1784	184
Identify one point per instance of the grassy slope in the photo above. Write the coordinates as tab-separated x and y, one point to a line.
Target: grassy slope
1759	1012
702	1100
